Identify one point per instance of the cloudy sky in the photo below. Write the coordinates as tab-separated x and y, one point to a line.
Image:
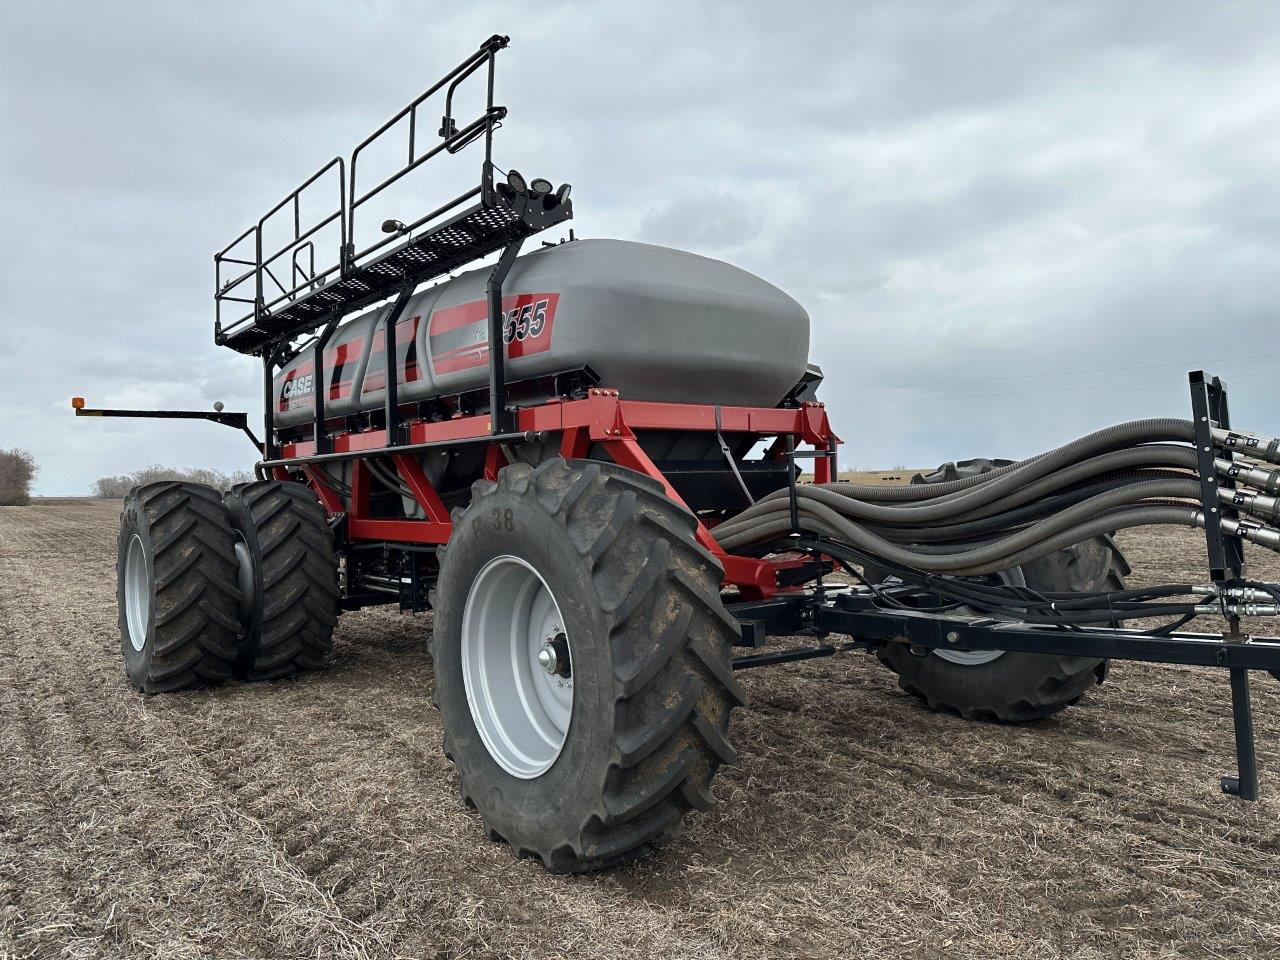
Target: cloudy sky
1010	222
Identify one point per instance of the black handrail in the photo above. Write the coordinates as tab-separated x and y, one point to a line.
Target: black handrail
346	265
222	290
452	140
295	198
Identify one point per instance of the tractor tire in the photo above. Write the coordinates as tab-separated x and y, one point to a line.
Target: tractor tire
1013	687
176	587
290	576
595	567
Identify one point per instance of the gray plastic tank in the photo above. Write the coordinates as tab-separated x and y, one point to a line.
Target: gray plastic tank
652	322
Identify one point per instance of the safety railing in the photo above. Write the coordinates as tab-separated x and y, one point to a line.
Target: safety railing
300	278
241	288
452	140
272	267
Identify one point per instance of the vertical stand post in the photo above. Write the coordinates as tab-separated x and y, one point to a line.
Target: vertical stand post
1209	410
500	419
319	391
392	395
1226	565
1245	783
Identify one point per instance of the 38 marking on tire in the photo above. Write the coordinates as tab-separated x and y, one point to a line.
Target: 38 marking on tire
504	519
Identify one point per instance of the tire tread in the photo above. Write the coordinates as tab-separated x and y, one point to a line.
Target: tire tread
297	575
195	630
670	640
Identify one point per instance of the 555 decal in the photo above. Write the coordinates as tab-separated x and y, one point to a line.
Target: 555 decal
459	335
525	322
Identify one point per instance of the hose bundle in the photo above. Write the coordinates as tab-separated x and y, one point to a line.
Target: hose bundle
1133	474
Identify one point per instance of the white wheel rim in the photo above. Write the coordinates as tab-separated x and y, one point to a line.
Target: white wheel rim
244	580
969	658
521	711
137	593
976	658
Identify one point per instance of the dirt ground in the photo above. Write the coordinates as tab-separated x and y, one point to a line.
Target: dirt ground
318	818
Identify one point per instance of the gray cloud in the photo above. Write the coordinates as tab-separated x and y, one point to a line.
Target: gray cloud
997	193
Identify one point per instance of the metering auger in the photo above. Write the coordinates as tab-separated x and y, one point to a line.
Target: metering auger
604	511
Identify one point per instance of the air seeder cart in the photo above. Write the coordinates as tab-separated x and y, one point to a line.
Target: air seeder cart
606	516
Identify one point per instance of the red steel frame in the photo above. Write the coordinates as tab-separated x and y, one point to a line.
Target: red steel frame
601	417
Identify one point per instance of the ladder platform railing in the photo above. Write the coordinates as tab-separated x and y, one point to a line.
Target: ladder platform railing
269	291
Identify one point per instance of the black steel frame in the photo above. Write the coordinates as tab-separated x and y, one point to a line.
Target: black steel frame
859	614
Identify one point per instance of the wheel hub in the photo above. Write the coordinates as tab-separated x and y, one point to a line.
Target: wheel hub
554	655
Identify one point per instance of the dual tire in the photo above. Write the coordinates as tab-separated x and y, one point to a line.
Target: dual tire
212	587
585	760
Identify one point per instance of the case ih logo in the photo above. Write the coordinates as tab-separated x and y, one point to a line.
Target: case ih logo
299	386
460	335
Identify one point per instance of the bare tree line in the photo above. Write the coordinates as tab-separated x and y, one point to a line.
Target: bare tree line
117	488
17	470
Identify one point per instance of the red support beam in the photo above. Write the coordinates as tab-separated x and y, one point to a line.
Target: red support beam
628	453
403	531
601	412
825	468
493	461
332	502
575	443
412	474
601	417
359	490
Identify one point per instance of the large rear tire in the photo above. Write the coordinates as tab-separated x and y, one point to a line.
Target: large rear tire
290	575
176	587
1011	686
587	574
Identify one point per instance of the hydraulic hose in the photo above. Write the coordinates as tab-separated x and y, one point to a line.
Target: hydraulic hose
857	510
1102	441
1133	474
961	564
1014	483
1012	519
996	554
1148	457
